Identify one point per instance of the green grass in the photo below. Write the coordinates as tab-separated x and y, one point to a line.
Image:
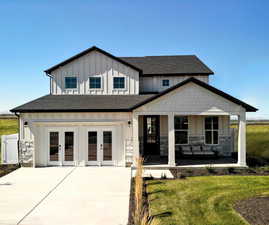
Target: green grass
203	200
258	140
8	126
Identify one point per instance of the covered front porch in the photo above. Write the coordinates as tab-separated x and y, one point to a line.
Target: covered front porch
174	139
190	123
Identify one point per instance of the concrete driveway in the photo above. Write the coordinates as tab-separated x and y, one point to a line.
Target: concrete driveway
65	195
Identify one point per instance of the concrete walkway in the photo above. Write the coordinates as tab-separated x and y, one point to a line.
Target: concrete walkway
65	195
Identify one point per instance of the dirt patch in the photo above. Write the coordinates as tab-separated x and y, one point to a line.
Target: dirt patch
5	169
192	172
254	210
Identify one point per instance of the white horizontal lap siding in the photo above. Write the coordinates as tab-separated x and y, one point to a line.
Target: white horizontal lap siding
154	83
42	121
191	99
95	64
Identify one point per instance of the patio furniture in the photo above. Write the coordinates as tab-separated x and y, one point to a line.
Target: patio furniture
207	150
186	150
198	151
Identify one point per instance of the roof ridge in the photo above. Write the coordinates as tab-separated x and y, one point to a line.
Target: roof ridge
155	56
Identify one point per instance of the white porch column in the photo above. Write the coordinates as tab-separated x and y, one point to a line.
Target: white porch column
242	139
171	140
135	139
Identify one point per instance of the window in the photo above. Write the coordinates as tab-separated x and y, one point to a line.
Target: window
165	83
119	82
71	82
212	130
181	130
95	82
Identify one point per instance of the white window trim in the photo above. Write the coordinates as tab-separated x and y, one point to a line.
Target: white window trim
165	85
125	83
211	130
95	89
188	130
71	89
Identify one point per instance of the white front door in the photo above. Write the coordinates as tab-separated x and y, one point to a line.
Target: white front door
62	146
100	146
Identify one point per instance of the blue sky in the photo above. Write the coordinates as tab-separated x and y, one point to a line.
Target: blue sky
231	37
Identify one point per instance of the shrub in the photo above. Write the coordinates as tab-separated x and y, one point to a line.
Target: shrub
141	215
210	169
163	176
231	169
181	176
256	161
138	214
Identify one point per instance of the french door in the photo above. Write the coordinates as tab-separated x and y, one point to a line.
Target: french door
100	146
62	146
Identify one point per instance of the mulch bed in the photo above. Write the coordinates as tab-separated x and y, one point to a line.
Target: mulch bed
5	169
254	210
210	171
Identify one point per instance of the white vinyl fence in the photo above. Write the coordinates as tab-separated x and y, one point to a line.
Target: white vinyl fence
9	149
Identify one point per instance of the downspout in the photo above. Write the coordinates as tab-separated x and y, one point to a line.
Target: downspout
19	137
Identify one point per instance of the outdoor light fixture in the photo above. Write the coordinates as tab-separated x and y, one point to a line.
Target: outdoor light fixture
129	123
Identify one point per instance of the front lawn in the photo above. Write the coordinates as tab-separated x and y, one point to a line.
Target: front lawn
204	200
258	141
8	126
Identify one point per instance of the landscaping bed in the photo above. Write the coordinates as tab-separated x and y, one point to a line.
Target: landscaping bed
5	169
207	171
254	210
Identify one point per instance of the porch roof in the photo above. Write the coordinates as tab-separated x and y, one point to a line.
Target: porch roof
112	103
82	103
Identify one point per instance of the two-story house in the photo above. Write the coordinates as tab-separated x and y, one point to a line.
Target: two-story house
108	110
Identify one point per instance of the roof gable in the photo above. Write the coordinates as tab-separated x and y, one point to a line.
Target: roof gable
208	87
94	48
151	65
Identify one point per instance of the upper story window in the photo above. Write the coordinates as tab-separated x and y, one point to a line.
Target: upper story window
165	83
119	82
71	82
95	82
181	130
211	130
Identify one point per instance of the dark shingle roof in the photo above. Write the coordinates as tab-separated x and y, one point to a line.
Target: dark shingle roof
162	65
151	65
82	103
111	103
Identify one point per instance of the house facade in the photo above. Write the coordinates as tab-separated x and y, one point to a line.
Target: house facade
108	110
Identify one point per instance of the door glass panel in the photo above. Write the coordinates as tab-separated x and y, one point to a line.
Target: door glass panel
92	146
107	149
54	146
69	146
151	130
